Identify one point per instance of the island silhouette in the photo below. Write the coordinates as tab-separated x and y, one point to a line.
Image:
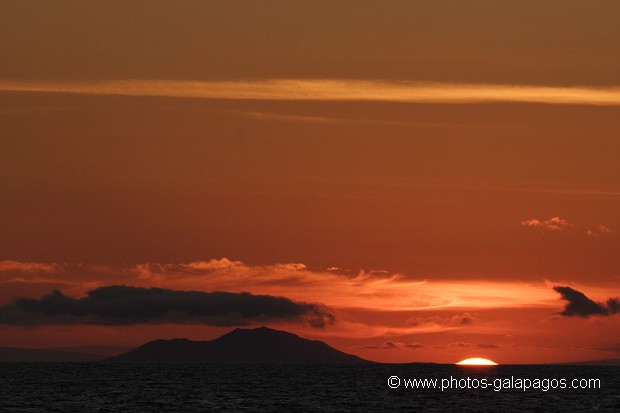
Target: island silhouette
258	345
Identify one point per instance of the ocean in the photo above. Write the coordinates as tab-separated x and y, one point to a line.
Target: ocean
102	387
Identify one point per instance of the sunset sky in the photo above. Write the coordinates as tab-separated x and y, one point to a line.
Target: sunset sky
405	180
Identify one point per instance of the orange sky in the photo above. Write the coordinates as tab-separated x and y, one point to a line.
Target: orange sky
407	166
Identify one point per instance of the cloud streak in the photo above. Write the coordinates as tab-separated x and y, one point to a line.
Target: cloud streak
28	267
557	224
392	345
123	305
330	90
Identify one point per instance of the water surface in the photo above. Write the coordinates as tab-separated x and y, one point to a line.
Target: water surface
100	387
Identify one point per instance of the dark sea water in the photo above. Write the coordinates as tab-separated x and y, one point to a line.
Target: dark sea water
99	387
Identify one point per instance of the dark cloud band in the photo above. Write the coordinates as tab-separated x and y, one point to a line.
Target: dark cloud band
122	305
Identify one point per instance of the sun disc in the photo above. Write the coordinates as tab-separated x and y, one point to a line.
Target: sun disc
476	361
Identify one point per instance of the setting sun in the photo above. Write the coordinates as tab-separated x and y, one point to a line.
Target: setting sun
476	361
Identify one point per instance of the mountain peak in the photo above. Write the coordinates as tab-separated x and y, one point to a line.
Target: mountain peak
258	332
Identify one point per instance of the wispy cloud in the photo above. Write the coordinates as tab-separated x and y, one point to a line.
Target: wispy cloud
459	320
368	289
28	267
551	224
328	120
331	90
599	230
375	289
557	224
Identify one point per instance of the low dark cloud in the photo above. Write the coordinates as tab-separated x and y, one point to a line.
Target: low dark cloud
388	345
612	349
580	305
460	344
391	345
457	320
487	345
122	305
